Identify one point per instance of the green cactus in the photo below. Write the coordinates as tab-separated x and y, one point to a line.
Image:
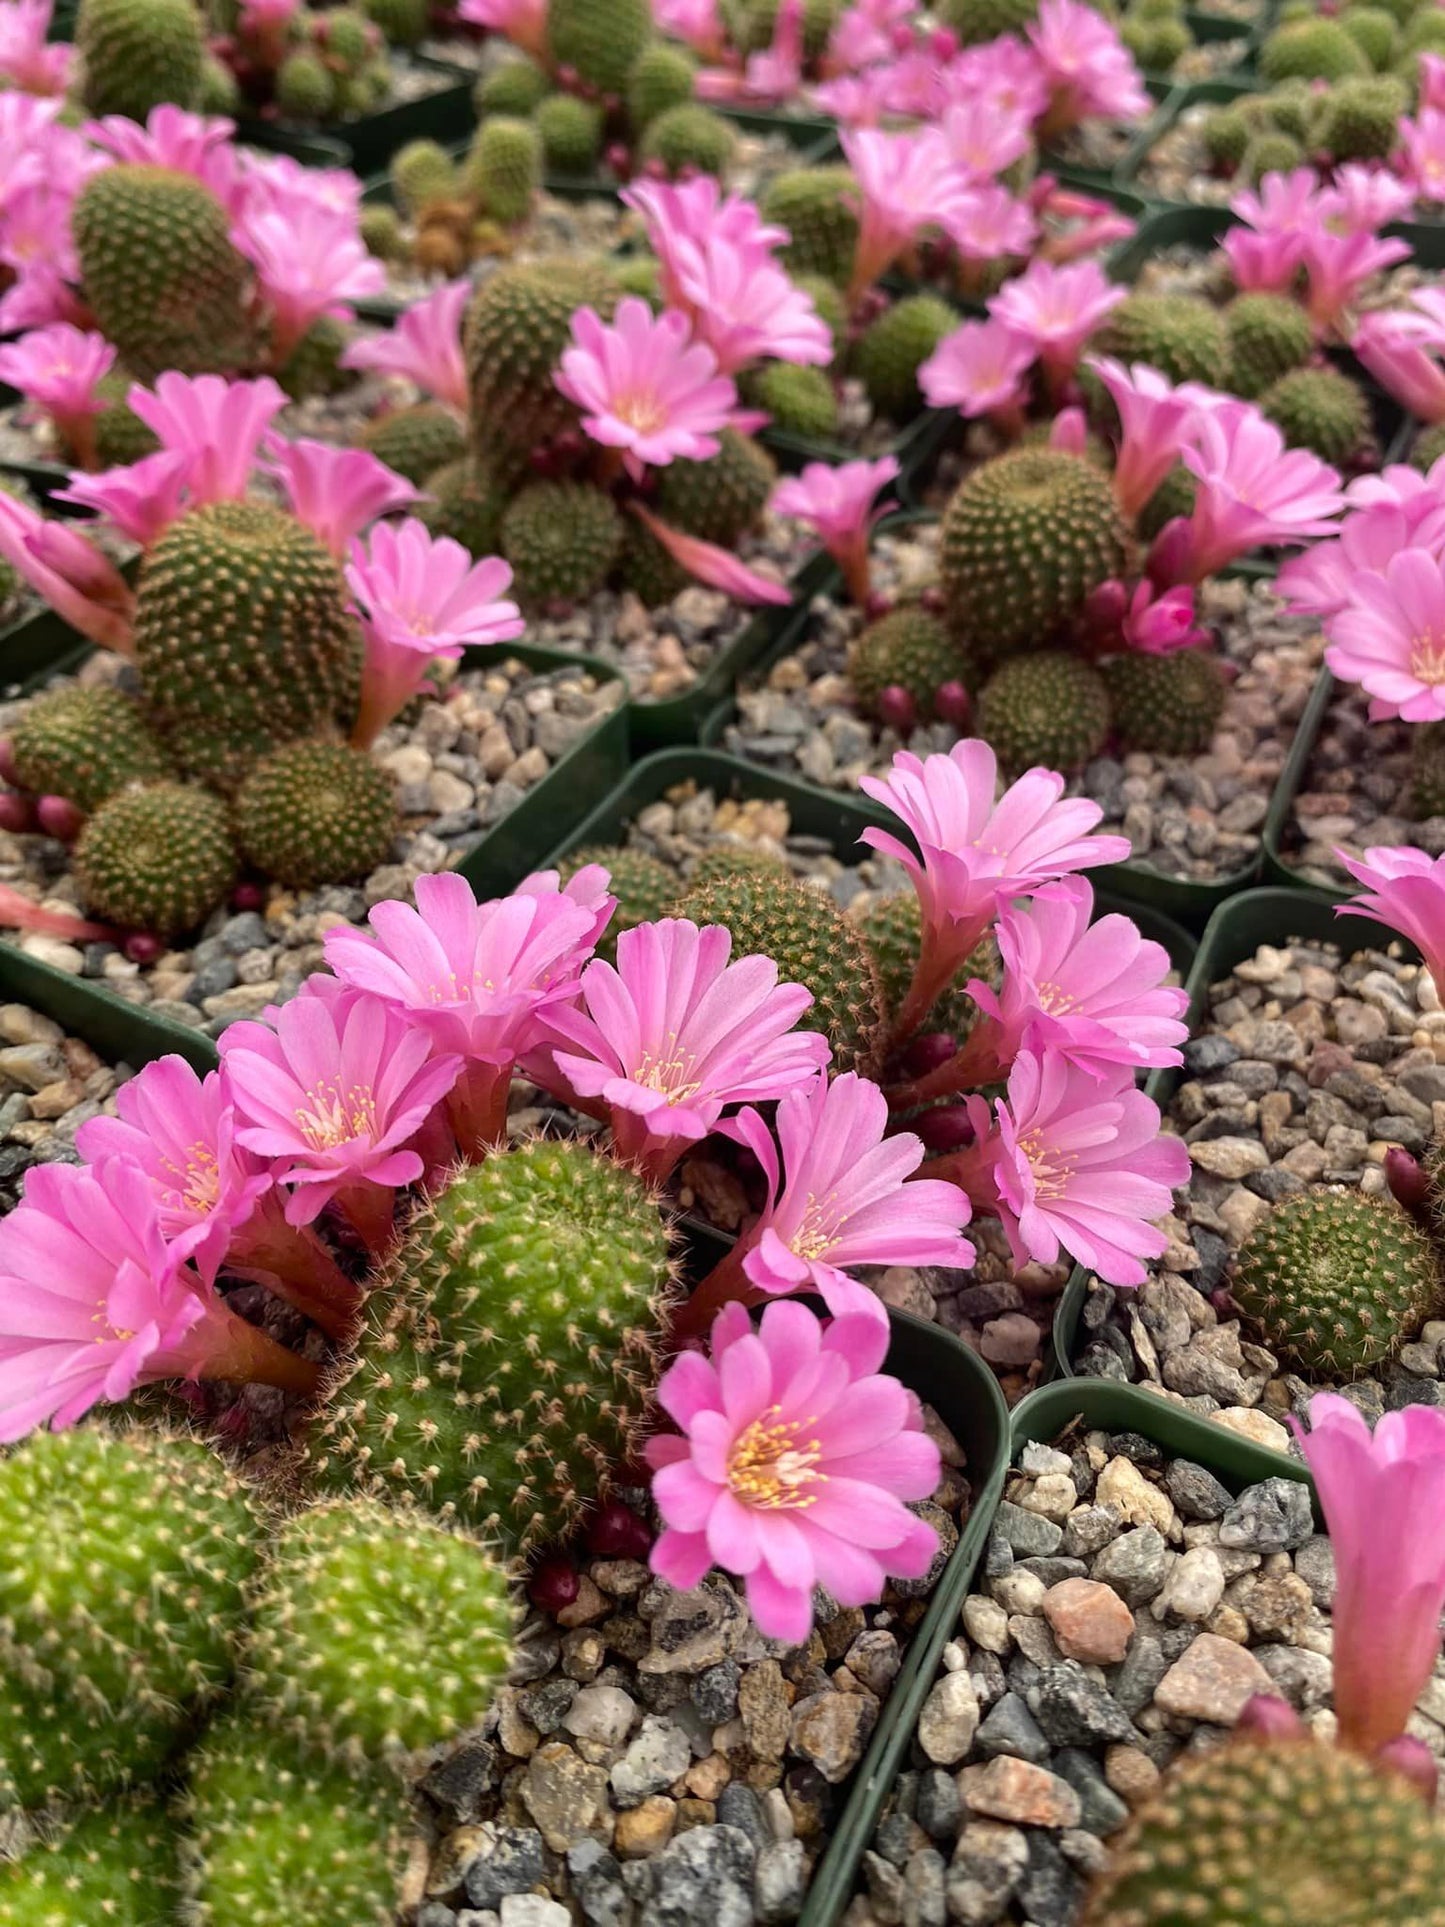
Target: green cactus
85	744
415	441
121	1594
305	86
244	637
979	20
140	54
1269	335
827	298
562	540
890	353
801	400
381	232
507	1370
1424	33
724	861
599	39
1358	119
643	887
1157	45
907	649
662	77
1270	152
348	36
514	86
316	812
219	91
1276	1834
812	943
1173	497
272	1840
503	170
690	136
818	206
1322	410
519	324
1026	539
1336	1281
1181	335
1311	50
467	504
1374	32
1289	108
1427	448
160	273
1226	134
423	173
1168	705
892	928
117	1865
374	1634
1047	709
313	366
720	499
404	23
1427	770
121	436
571	132
754	22
158	858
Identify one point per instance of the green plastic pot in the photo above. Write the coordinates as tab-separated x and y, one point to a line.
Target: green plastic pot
369	141
1235	932
1100	180
1291	778
948	1376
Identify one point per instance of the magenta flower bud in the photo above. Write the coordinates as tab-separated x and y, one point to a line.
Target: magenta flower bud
946	1129
897	709
1105	609
142	948
616	1532
1407	1180
568	79
7	759
248	896
1169	560
655	170
1414	1760
953	705
928	1052
58	817
612	105
1040	188
877	606
933	600
619	158
1270	1718
902	38
943	43
568	446
14	811
554	1584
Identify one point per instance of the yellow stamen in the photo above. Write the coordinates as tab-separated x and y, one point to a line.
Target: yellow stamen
770	1467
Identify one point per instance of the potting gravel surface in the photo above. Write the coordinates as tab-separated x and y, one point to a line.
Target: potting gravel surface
461	765
656	1762
1198	817
1127	1607
50	1084
1308	1067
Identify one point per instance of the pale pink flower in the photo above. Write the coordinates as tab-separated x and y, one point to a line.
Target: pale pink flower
686	220
1057	309
278	184
977	369
36	234
1153	419
1337	267
523	22
1292	203
38	296
645	386
421	597
1370	197
1383	1498
141	499
70	572
795	1465
1321	582
675	1033
1074	1167
425	346
1251	489
264	16
309	262
984	140
695	22
476	977
844	1193
853	100
841	504
194	144
218	425
1391	348
1158	623
335	491
1405	890
718	567
332	1094
915	85
1422	143
906	184
863	37
1006	73
1262	263
774	74
1092	992
1390	637
975	853
58	369
745	307
93	1303
990	223
27	60
1087	67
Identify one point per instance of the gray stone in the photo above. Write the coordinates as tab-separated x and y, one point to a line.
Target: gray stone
1090	1529
949	1719
780	1880
1274	1516
1196	1492
694	1630
739	1806
830	1730
1211	1053
1134	1564
1011	1728
601	1713
938	1809
660	1754
1315	1564
1101	1810
435	1913
715	1692
988	1868
1051	1894
924	1903
1074	1710
596	1882
1300	1676
1026	1533
462	1782
1139	1672
533	1910
509	1861
705	1874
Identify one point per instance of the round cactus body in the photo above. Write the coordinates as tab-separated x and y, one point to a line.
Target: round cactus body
800	400
140	54
662	77
515	86
907	649
85	744
316	812
415	441
600	39
115	1866
1311	50
1319	409
467	504
503	170
159	858
1168	705
1181	335
1048	709
818	207
892	928
1268	336
562	539
890	353
518	326
643	887
690	136
571	134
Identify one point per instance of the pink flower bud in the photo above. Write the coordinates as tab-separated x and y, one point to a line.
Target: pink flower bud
248	896
1270	1718
7	760
142	948
928	1052
877	606
554	1584
946	1129
616	1532
1414	1760
1407	1180
1169	556
568	79
619	159
933	600
897	709
953	705
14	811
57	816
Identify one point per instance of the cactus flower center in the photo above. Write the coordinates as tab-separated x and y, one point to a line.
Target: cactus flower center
666	1072
817	1232
641	409
332	1116
773	1466
1051	1167
1427	657
196	1184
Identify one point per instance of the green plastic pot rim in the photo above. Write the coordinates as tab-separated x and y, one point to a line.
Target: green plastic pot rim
1287	787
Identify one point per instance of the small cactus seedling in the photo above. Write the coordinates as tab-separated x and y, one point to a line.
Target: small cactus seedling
115	1866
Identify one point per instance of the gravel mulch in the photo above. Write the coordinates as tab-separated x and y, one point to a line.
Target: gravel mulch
50	1084
1193	817
461	764
656	1762
1309	1066
1127	1608
1175	168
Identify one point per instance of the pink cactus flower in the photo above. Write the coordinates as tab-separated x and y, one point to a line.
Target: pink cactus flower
842	505
1160	623
675	1033
1252	489
1076	1166
1087	67
794	1466
38	296
1153	418
1292	203
645	386
845	1193
1430	79
1321	582
978	369
687	218
1370	197
262	17
335	491
694	22
421	597
141	499
1423	152
93	1303
1404	890
744	307
332	1095
718	567
1392	349
990	224
276	183
907	183
28	61
774	74
914	86
1262	263
1006	73
218	425
984	141
853	100
1378	1495
523	22
59	369
195	144
72	575
1092	992
1056	310
425	346
1390	637
1337	267
35	239
310	263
